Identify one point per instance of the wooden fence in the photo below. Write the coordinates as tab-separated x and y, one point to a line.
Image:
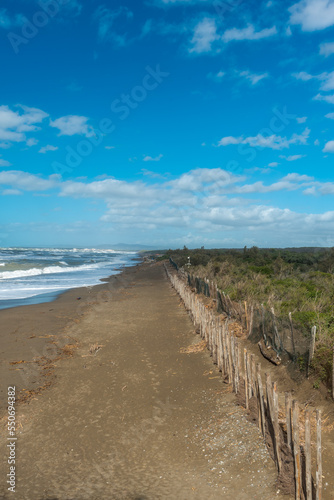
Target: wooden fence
283	336
285	426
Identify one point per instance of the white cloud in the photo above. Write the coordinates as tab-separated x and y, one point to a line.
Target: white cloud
273	141
72	125
326	49
7	21
329	147
226	141
292	157
199	202
253	77
108	22
326	98
150	158
301	119
248	33
310	191
175	2
326	79
273	164
316	142
330	116
217	77
11	192
31	142
312	15
297	178
28	182
153	175
302	75
14	125
205	34
326	188
4	163
47	148
109	147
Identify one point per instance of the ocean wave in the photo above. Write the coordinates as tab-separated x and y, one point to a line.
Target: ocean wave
67	250
2	264
34	271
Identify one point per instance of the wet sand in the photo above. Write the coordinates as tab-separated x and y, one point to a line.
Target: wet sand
117	411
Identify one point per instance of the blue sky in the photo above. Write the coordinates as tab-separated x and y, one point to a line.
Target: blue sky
167	123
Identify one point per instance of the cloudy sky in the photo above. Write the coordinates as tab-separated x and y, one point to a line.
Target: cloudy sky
167	123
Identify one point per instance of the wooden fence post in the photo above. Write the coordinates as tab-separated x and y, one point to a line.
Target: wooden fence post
288	403
292	336
251	321
333	375
230	366
308	472
237	367
261	398
263	325
246	315
296	448
319	459
245	378
254	385
276	427
311	350
269	395
249	376
278	340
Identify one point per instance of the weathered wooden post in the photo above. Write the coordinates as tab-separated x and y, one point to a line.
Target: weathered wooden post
276	427
333	375
292	336
288	404
311	350
246	378
251	321
296	448
261	399
246	314
308	472
318	488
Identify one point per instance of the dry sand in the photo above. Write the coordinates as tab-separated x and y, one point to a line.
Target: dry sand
112	409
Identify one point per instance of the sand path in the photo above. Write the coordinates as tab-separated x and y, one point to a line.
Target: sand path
137	419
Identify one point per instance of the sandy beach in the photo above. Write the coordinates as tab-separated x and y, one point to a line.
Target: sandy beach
111	408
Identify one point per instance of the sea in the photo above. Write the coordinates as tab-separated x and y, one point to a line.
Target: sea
36	275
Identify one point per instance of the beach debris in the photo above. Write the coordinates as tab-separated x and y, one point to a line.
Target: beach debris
194	348
269	353
94	348
78	298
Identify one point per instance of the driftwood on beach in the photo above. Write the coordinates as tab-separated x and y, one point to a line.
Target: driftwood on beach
269	353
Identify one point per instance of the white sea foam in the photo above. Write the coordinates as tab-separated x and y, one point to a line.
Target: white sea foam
69	250
46	270
29	272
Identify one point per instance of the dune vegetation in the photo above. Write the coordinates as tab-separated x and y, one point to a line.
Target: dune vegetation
296	280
